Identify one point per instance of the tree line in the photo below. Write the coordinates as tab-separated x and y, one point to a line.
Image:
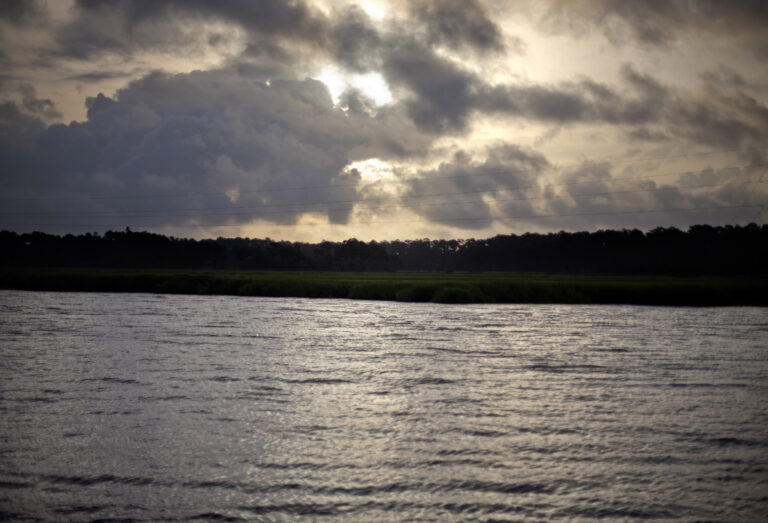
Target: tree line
701	250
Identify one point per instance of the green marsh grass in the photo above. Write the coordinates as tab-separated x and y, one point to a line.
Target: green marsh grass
410	287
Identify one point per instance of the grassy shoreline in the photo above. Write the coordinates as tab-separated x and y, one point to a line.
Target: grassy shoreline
407	287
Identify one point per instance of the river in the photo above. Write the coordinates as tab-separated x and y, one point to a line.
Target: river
149	407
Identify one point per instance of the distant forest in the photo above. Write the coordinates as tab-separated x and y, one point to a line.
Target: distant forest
701	250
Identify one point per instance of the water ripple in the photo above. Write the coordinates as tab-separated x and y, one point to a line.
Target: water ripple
143	407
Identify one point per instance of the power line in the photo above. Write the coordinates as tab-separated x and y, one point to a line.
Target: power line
338	186
466	219
303	206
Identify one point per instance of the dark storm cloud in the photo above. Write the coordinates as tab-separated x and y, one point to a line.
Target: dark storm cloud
725	77
594	195
17	131
205	147
465	192
441	95
444	96
458	24
22	11
122	26
712	117
356	44
585	101
660	22
389	132
521	188
265	16
441	91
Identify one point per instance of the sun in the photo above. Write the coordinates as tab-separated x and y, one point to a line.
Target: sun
373	170
371	84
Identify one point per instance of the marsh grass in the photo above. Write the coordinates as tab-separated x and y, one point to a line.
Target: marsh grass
411	287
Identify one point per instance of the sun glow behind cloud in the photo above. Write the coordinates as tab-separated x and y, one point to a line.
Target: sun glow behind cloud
372	170
371	85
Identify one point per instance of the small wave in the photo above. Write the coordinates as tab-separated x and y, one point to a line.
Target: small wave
223	379
465	452
707	385
265	388
448	486
256	395
482	433
227	485
447	349
427	380
35	399
318	381
623	512
86	481
379	393
306	465
548	431
543	367
162	398
497	487
460	462
80	509
464	401
477	508
729	441
108	379
299	509
368	490
15	485
214	516
398	336
312	428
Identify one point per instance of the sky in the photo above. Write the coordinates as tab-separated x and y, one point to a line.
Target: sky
383	119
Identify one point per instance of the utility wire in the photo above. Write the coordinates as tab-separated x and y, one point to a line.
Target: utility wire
451	219
303	206
338	186
161	214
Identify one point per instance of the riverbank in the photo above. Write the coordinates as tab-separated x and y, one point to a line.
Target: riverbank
409	287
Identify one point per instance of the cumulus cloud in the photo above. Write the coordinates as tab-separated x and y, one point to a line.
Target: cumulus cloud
220	145
467	193
597	194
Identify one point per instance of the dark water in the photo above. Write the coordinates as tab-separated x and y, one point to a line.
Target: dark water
176	407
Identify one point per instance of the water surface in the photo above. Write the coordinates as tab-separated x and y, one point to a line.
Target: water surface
196	407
